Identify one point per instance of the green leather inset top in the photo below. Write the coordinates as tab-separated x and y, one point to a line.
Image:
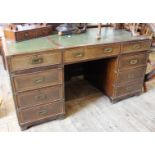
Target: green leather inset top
109	35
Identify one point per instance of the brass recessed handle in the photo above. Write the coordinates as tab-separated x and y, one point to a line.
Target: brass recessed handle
40	97
43	112
137	46
37	60
108	50
39	80
79	54
133	61
129	88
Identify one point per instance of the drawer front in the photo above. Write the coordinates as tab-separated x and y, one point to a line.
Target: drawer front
73	55
130	75
37	79
41	112
40	96
128	89
79	54
25	35
135	46
19	36
29	34
134	60
43	31
32	61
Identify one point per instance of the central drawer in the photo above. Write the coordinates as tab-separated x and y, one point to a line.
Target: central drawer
35	80
41	112
22	62
40	96
91	52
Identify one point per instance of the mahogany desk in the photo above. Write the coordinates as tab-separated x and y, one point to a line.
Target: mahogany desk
36	69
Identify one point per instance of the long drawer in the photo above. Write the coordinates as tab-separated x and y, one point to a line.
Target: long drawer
92	52
23	35
21	62
41	112
132	60
136	46
40	32
39	79
40	96
130	75
128	88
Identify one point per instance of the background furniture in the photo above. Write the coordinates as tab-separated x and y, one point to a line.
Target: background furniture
0	46
20	32
149	30
115	64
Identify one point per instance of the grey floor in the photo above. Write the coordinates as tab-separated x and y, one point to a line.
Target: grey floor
87	110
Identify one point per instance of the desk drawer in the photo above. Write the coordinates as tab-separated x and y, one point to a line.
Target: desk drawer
37	79
41	112
131	74
34	60
40	96
29	34
134	60
128	89
94	52
135	46
43	31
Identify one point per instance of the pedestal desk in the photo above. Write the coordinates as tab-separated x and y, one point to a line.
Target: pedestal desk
115	64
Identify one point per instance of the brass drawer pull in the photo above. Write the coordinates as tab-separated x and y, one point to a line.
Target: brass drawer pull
131	76
39	80
37	60
78	54
133	62
40	97
108	50
128	88
136	46
43	112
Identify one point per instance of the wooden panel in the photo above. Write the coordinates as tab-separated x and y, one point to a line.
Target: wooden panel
129	88
40	96
132	60
41	112
34	60
9	35
135	46
92	52
130	75
37	79
108	76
